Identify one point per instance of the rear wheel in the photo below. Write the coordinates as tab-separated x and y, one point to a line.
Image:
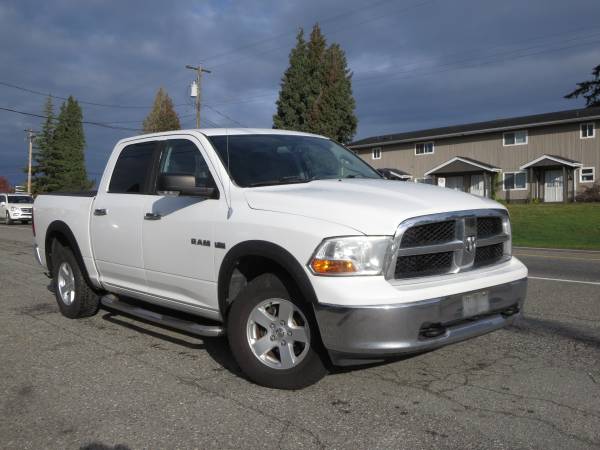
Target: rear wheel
273	335
74	296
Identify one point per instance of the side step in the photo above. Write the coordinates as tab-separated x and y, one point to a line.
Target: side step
112	302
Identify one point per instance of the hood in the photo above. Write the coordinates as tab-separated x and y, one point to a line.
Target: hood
373	207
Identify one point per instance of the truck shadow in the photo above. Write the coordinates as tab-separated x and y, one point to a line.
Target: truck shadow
216	347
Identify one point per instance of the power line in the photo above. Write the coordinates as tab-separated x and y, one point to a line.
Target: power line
474	63
224	115
41	116
329	32
287	33
83	102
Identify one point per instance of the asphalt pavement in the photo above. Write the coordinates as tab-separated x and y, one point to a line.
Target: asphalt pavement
109	382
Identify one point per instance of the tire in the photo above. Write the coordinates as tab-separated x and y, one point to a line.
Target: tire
75	298
9	221
291	364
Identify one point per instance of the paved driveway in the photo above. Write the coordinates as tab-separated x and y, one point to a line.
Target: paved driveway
109	380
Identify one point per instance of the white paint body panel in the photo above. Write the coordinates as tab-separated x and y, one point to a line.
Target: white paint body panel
155	261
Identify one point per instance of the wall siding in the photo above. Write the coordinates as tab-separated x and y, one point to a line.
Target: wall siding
560	140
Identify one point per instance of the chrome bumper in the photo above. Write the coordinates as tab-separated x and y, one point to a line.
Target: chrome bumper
355	335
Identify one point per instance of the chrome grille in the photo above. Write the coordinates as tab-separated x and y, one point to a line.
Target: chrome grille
428	234
27	210
423	265
489	254
449	243
488	226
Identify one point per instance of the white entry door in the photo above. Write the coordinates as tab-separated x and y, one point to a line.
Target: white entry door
553	186
456	183
477	187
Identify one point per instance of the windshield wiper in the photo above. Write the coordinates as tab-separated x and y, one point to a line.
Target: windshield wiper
283	180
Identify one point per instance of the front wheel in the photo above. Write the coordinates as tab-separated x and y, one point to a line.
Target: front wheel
9	221
273	335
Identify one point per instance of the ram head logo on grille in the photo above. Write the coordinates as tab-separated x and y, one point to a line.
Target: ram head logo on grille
470	243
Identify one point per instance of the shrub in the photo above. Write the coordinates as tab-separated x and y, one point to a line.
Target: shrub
590	194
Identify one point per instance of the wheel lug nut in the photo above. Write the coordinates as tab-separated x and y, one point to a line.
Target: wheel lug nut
272	325
282	342
272	337
282	322
289	333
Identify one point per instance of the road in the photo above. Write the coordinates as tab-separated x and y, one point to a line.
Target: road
111	382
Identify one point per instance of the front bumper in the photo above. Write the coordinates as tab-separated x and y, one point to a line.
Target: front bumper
355	335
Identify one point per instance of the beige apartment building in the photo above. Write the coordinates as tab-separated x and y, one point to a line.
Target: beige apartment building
549	156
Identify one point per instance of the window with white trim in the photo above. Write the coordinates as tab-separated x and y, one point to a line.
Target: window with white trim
514	138
587	174
514	181
587	130
376	153
424	148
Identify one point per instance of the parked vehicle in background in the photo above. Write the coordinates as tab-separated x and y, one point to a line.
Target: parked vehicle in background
16	207
287	242
394	174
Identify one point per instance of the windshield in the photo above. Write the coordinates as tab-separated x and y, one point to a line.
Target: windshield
269	159
19	199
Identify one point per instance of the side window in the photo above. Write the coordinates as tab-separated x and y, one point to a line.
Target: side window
132	169
182	157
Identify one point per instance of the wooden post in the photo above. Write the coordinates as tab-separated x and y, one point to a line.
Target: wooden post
565	185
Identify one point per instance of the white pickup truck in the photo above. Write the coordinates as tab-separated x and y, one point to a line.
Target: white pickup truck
288	243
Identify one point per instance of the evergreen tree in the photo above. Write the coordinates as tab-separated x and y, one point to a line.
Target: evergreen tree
43	170
69	146
316	90
293	96
163	116
590	90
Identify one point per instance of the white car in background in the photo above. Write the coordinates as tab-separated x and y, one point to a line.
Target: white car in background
15	207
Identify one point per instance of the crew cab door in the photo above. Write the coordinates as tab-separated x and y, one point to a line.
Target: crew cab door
178	231
117	216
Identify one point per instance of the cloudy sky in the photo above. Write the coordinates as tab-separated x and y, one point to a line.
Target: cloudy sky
417	63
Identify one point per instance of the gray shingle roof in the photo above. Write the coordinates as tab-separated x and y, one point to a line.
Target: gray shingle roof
482	127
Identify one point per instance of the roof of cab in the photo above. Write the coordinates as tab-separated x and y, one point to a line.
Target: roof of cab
208	132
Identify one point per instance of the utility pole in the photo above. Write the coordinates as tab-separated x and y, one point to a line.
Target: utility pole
199	70
30	135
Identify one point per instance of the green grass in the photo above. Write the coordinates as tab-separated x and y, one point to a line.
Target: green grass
572	225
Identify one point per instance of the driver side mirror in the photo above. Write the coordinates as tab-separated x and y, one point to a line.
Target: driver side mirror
2	203
184	185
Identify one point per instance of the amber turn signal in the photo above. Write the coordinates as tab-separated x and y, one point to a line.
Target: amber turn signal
324	266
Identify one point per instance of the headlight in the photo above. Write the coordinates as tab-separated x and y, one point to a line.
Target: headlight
12	208
357	255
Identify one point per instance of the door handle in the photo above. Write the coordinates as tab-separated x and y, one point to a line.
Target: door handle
100	212
152	216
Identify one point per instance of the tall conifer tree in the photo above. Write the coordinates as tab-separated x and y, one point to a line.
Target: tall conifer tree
316	90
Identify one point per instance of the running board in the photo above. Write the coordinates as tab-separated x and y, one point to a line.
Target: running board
112	302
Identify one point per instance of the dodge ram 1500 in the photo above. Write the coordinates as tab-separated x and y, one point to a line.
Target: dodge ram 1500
288	243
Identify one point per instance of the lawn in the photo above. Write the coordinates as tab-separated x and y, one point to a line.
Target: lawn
572	225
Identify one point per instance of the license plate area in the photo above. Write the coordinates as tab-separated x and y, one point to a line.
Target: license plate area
475	303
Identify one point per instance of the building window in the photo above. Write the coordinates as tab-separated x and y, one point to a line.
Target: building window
587	130
515	138
587	175
376	153
515	181
424	148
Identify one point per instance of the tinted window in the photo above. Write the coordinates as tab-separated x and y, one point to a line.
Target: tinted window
259	160
20	199
182	157
132	169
